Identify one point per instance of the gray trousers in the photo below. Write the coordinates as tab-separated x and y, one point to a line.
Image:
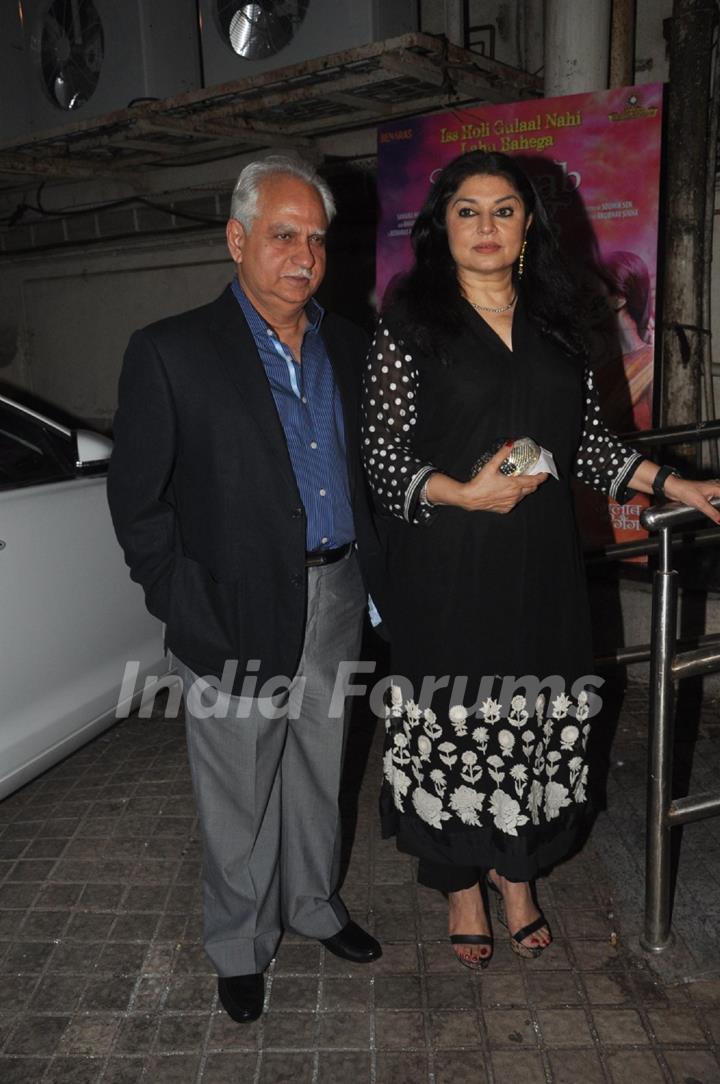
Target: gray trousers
267	788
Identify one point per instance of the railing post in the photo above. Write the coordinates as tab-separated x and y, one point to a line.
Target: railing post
656	934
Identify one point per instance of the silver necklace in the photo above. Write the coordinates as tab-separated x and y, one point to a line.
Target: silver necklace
486	308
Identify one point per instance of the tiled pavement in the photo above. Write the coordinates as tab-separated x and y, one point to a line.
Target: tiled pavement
103	979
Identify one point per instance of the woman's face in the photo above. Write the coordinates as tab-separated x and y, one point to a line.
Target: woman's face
486	226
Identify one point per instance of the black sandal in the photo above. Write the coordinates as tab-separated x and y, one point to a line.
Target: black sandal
473	939
528	952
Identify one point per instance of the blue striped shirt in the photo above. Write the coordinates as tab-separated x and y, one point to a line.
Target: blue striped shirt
310	409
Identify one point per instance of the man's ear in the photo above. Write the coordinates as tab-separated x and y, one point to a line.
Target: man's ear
235	234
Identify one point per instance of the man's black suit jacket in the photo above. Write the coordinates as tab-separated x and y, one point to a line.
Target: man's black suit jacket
203	494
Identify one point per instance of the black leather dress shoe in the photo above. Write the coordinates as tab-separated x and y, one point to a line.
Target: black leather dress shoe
242	996
352	943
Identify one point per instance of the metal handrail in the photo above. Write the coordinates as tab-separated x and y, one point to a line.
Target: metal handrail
667	666
675	434
615	551
671	434
673	514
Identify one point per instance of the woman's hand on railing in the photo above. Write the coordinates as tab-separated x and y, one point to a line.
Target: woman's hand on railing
695	494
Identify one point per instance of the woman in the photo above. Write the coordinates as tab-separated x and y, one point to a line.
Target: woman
626	279
484	774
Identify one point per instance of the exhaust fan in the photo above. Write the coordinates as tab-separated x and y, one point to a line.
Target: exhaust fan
243	39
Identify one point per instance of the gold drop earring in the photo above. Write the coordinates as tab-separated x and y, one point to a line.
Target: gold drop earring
521	260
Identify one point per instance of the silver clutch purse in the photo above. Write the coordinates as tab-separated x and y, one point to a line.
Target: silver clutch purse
523	454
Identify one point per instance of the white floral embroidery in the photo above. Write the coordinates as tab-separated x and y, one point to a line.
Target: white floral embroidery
568	736
490	710
560	706
431	726
550	775
467	803
439	781
480	735
401	753
556	796
534	800
447	753
519	773
506	813
552	763
401	783
424	746
495	763
506	741
579	792
518	715
388	765
471	771
574	767
413	712
429	808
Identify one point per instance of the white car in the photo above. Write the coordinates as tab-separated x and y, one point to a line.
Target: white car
76	642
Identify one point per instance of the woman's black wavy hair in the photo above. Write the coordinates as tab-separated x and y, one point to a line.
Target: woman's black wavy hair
428	297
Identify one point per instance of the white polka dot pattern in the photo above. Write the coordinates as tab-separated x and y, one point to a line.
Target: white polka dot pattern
396	474
390	390
602	461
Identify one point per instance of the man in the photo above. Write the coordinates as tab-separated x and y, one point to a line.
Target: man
236	493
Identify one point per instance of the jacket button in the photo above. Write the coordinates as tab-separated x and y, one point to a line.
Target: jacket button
297	581
297	513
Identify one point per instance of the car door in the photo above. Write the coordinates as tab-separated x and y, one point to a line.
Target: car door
72	624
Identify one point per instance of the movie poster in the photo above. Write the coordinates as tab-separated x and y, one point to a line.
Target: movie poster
596	160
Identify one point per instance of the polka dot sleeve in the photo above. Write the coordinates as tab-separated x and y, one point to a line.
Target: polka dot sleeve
390	388
603	461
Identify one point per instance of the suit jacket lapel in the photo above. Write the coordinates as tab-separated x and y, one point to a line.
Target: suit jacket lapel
241	363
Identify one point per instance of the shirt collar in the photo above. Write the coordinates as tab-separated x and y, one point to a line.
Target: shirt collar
313	310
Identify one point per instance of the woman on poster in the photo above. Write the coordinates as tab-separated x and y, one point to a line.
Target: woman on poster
627	402
484	768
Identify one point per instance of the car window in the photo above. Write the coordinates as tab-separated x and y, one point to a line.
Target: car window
29	454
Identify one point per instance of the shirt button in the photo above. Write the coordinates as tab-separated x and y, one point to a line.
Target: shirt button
324	541
313	444
303	400
322	492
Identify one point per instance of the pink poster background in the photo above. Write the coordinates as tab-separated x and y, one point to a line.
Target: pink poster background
596	160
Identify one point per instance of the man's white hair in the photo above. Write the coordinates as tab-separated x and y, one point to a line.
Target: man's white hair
244	203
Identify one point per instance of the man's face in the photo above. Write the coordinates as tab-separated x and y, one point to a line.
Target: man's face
281	261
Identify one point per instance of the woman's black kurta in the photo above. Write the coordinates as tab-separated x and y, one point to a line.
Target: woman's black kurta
488	769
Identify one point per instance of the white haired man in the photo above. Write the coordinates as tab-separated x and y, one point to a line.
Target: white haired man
237	496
